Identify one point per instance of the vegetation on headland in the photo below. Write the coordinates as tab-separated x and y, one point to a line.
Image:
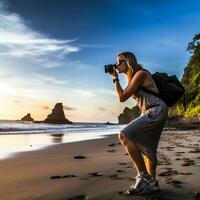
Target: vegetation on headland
191	82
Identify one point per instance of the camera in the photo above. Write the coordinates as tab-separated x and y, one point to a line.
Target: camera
110	68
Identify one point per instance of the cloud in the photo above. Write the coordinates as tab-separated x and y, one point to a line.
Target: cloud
18	40
68	108
102	109
109	111
17	101
8	89
109	92
95	45
45	107
49	79
83	93
36	88
25	55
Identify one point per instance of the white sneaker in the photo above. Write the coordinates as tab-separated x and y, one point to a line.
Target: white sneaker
144	182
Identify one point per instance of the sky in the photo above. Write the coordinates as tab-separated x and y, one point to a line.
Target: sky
55	51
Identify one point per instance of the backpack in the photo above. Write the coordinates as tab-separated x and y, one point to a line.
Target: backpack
169	87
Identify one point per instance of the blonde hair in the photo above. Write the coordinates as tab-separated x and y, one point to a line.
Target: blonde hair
132	64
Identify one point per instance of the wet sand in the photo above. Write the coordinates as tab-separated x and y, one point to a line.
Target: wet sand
100	169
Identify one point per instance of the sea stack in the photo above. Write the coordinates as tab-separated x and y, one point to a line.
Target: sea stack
27	118
57	116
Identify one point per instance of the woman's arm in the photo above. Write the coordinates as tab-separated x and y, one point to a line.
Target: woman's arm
119	90
132	87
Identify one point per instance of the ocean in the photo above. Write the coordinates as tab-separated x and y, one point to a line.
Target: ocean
19	136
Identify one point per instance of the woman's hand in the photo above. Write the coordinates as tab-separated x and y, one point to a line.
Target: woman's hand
114	73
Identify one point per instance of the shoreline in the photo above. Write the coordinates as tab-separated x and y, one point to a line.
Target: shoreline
54	131
103	171
31	141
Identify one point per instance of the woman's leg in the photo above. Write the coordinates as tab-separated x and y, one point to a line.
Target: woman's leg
134	153
151	168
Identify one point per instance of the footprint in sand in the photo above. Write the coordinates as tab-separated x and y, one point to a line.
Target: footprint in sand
188	162
55	177
196	150
180	152
79	157
64	176
168	173
112	151
130	166
119	171
164	162
123	163
169	148
69	176
167	168
115	176
112	145
185	173
79	197
95	174
173	182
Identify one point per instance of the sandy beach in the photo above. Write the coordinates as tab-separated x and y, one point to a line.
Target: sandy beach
100	169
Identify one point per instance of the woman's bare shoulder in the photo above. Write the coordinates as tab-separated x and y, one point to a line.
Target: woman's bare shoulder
146	71
142	72
148	78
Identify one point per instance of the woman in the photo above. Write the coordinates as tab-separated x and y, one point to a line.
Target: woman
141	136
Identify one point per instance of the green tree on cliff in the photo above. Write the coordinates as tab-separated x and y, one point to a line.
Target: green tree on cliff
191	78
191	82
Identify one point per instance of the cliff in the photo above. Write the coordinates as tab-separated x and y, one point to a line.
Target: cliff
128	115
57	116
27	118
191	82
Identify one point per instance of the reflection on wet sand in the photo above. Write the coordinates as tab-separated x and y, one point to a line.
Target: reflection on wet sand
57	138
11	144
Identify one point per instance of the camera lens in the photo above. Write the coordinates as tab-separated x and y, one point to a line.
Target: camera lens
110	68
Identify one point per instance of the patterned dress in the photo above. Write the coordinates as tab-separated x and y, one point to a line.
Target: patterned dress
145	130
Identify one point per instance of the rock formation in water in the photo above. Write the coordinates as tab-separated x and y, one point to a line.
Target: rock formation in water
109	123
27	118
57	116
128	115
